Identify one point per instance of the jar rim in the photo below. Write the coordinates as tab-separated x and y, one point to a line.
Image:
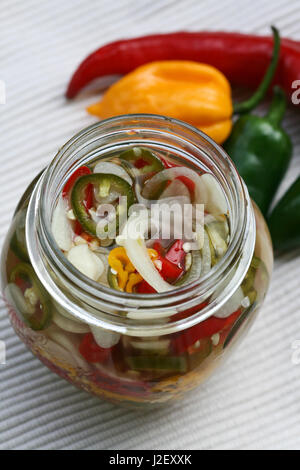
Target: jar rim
41	241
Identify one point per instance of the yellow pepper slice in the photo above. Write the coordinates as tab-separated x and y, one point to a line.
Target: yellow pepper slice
133	280
196	93
121	264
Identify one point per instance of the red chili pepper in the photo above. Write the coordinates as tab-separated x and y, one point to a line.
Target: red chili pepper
88	202
188	182
171	265
81	171
169	271
243	58
144	288
172	261
23	284
184	179
205	329
158	247
90	350
176	254
140	163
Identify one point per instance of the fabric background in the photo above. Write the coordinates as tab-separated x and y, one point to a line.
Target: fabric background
253	401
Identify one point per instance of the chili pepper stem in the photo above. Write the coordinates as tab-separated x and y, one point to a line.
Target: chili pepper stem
251	103
278	106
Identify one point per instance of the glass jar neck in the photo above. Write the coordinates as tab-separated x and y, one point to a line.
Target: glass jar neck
134	313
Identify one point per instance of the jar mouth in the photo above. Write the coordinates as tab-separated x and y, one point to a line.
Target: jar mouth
196	149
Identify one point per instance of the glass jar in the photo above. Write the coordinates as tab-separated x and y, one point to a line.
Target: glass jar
205	317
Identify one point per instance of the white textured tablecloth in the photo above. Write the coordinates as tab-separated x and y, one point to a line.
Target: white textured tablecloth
254	400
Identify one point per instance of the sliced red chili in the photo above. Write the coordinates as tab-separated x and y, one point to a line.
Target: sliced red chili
171	265
144	288
159	248
184	179
176	254
88	201
167	164
169	271
205	329
78	228
188	182
91	351
140	163
83	170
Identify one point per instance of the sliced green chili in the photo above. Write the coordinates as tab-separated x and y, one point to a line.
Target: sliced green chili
18	240
195	359
238	323
175	364
142	159
248	282
112	280
40	318
104	183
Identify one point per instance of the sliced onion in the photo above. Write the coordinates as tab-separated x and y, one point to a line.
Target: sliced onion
113	169
86	261
206	255
166	200
162	344
175	189
216	201
105	338
171	174
233	304
66	314
69	325
107	242
57	352
217	234
194	272
102	250
61	227
15	298
103	278
70	343
149	316
132	238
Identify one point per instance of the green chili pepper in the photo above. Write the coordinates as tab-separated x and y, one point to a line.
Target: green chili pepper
248	281
196	358
175	364
259	146
284	221
256	98
105	183
142	159
238	324
112	280
41	315
261	150
18	240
